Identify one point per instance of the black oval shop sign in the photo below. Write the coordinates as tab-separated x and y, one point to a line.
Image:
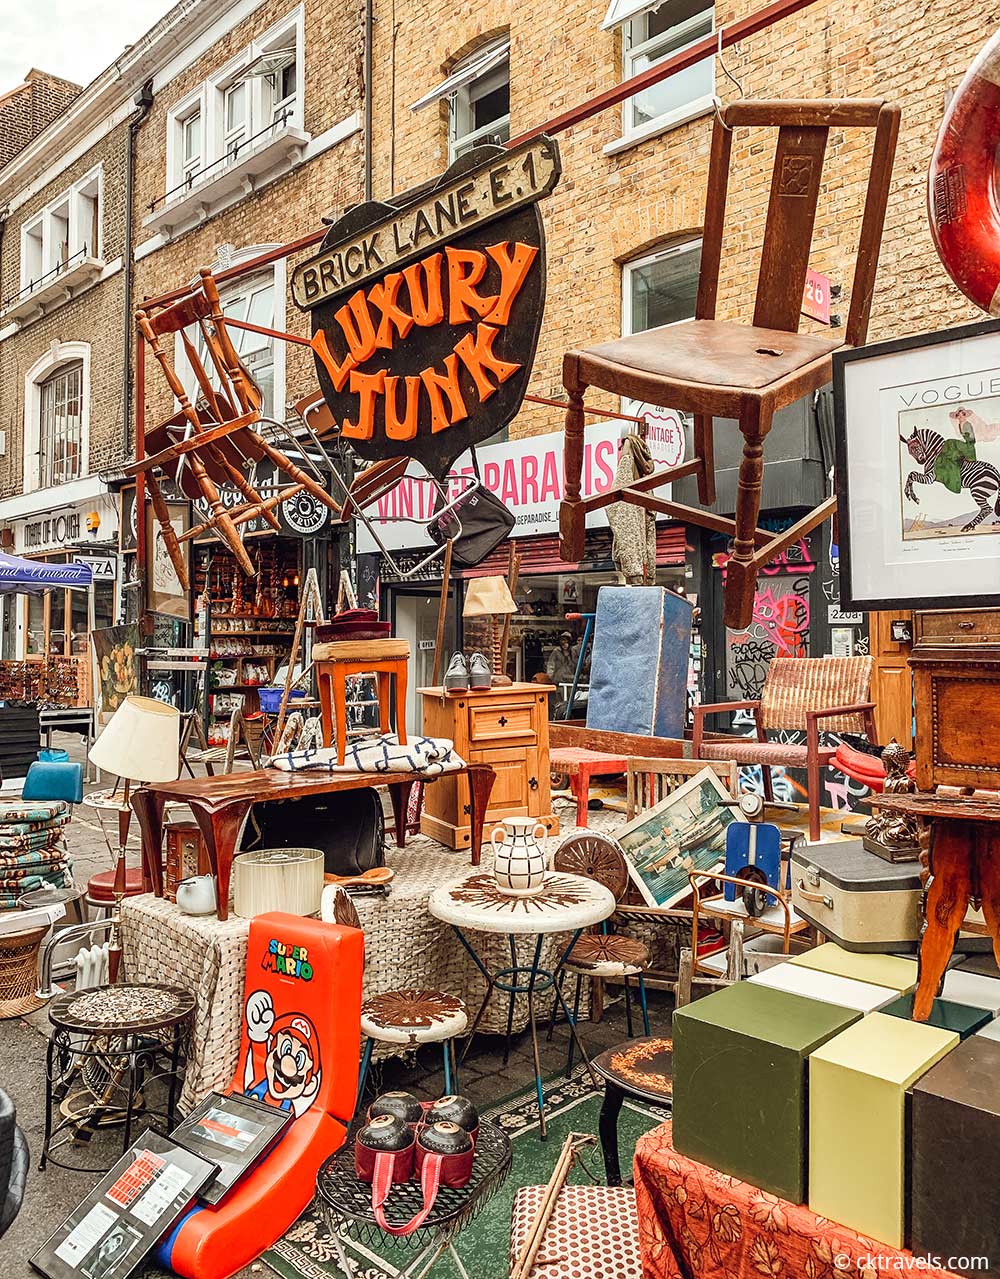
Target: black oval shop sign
426	312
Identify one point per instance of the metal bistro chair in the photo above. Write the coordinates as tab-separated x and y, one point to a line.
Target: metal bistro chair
719	369
401	1017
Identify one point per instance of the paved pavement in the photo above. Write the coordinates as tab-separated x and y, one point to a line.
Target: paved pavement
53	1193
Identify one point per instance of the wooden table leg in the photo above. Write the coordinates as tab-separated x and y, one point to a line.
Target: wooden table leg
607	1126
953	850
384	678
989	883
326	702
338	677
580	785
481	779
221	828
401	681
399	794
148	808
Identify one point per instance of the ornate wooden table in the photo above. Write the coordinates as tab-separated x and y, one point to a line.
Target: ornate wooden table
964	864
566	904
640	1068
221	804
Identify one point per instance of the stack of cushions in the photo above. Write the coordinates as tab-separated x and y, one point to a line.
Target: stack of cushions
32	849
799	1081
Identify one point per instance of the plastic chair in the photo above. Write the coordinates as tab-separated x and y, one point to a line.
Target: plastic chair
54	781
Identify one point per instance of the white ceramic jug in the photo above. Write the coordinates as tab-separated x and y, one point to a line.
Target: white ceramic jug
520	863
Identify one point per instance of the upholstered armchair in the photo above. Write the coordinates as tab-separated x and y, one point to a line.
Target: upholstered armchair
814	695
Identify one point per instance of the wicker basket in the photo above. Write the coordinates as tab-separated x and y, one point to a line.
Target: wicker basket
19	972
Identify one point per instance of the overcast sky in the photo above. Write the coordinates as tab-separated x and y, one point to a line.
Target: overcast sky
76	39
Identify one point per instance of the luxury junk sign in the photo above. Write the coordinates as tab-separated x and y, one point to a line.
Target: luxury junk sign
426	312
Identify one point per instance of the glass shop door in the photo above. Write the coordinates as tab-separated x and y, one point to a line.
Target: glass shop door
414	616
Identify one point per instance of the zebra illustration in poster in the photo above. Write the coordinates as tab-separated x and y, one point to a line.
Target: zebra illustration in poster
954	464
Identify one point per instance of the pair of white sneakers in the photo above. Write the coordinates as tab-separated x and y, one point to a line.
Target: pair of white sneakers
463	674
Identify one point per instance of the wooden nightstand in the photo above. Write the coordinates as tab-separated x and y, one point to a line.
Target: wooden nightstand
507	728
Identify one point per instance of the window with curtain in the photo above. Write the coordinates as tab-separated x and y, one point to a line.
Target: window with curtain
60	426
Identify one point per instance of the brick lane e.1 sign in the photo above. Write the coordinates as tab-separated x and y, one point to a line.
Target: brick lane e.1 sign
426	311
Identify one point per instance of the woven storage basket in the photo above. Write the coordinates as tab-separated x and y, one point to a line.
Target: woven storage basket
19	972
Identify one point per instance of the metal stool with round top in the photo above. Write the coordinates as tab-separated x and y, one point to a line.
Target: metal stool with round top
402	1017
602	955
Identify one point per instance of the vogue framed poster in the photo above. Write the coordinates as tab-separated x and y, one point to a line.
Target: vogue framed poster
918	470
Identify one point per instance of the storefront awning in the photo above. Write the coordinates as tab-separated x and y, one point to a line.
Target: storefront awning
34	577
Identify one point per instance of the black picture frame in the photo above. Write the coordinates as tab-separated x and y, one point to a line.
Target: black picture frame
262	1125
850	599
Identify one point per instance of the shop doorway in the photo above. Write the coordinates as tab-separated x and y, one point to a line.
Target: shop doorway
414	617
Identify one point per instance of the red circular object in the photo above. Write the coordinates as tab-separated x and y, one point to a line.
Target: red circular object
962	201
101	887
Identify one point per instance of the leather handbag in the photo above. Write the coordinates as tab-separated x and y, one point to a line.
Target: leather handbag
484	521
349	826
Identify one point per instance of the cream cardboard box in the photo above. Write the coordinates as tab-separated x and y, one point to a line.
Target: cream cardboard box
898	974
826	987
857	1120
972	988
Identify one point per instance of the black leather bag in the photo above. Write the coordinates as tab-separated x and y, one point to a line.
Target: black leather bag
349	826
485	523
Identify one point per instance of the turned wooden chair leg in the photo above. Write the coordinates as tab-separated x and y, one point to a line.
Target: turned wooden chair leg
704	447
573	520
741	569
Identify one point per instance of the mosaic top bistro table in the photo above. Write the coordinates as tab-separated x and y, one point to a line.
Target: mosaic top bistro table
566	904
639	1068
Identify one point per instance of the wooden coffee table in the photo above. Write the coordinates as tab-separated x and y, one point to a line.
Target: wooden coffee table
639	1068
221	804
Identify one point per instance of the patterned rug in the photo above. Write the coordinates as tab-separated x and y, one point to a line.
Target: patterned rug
307	1251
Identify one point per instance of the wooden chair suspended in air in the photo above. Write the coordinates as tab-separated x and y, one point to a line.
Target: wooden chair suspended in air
718	369
214	441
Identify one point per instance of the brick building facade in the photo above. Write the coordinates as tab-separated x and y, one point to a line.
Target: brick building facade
26	109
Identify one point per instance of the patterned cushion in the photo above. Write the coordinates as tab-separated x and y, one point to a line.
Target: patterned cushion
31	810
613	956
744	750
413	1017
593	1232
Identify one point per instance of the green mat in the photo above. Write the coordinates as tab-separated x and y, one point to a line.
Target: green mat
573	1105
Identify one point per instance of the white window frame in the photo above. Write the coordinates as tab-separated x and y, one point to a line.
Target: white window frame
461	135
43	228
217	143
59	354
636	264
635	45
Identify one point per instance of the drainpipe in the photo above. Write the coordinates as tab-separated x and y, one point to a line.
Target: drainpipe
143	102
368	71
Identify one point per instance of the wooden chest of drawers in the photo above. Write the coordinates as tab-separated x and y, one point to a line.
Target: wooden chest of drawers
507	728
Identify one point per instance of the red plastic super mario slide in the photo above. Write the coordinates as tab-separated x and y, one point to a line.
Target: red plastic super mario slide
299	1051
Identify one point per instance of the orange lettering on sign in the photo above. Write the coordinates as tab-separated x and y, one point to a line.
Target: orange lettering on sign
356	321
383	295
466	267
513	272
405	429
448	383
338	372
369	386
427	307
479	359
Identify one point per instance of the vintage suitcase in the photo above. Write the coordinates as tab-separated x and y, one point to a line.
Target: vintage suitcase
955	1158
856	898
963	1019
811	983
893	971
739	1086
857	1121
638	672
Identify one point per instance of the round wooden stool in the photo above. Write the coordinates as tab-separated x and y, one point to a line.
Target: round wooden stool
380	657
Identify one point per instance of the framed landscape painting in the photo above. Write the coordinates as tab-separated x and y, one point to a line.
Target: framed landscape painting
684	832
918	470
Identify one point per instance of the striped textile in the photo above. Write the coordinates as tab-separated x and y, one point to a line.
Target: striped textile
795	685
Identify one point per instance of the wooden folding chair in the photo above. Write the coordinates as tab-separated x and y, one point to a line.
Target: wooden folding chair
210	443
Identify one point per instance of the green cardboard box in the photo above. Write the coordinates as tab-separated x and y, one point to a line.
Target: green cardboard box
963	1019
739	1066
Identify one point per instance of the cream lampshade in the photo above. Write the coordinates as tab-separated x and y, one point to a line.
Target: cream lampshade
141	743
490	597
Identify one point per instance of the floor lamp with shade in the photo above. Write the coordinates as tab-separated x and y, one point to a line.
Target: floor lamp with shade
490	597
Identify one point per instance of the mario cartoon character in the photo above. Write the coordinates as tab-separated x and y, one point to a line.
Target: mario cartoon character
283	1064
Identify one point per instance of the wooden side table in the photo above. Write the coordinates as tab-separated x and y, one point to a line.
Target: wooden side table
335	661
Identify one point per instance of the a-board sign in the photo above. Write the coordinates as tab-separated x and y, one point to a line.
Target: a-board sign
426	312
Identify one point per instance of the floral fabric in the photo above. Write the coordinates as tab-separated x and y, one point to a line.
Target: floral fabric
696	1223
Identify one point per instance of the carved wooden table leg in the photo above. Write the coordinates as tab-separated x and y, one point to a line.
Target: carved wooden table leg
952	878
988	869
481	779
399	794
221	828
148	808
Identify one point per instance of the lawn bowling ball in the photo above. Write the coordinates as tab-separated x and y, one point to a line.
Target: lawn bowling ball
455	1110
445	1139
403	1105
386	1132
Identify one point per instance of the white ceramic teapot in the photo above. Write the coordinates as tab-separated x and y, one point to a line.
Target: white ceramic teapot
196	895
520	864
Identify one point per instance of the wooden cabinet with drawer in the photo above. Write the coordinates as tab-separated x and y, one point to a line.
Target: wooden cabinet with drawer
505	727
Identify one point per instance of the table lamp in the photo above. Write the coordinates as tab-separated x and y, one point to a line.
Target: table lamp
141	743
490	597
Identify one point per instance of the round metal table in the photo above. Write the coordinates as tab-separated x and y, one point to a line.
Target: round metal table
345	1204
565	904
107	1044
639	1068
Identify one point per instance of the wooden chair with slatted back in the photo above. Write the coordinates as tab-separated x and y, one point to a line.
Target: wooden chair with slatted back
208	444
716	368
649	781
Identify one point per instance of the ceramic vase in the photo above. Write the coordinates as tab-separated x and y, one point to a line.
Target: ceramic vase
519	864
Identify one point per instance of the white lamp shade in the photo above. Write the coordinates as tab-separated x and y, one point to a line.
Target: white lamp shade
141	742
